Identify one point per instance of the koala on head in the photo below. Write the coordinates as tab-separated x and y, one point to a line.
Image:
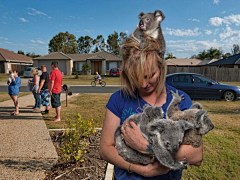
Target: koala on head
163	134
149	25
196	115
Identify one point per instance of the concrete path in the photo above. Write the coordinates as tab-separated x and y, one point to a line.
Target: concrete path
26	149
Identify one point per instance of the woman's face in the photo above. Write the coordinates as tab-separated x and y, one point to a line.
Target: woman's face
150	86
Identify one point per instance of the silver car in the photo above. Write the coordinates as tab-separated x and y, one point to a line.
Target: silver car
28	73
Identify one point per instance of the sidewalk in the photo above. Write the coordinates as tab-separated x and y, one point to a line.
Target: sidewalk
26	149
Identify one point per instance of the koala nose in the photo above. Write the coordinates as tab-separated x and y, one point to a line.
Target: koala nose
141	23
175	148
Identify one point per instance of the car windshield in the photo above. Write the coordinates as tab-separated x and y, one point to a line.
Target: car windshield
201	80
29	69
114	70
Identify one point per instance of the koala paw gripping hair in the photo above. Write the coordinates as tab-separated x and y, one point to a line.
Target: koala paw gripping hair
196	115
164	135
149	25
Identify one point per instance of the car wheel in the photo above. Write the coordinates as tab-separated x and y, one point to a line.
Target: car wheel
229	96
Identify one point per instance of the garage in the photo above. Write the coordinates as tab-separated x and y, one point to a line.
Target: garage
65	63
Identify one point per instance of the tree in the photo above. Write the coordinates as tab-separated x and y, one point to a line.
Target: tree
84	44
226	55
20	52
32	55
235	49
63	42
213	53
170	56
99	44
86	68
115	41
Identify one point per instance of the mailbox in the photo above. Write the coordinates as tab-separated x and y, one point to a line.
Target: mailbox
66	88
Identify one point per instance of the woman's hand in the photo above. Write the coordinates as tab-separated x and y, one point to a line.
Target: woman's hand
133	137
151	170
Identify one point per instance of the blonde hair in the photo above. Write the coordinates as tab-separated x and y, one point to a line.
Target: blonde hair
134	63
34	71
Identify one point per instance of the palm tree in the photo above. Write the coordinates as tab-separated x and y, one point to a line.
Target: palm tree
170	56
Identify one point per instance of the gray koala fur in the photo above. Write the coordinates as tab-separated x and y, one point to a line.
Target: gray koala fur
149	25
196	115
164	135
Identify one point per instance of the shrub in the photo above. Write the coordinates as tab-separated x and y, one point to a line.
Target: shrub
76	75
86	68
75	141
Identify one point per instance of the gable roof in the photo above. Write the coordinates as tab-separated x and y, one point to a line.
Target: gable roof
183	62
6	55
207	61
54	56
231	60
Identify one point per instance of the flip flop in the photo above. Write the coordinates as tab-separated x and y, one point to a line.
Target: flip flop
12	113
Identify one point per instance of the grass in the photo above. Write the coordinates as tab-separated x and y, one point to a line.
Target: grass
90	106
86	80
4	95
221	145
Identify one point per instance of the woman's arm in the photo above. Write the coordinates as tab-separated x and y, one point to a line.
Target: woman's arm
193	155
109	153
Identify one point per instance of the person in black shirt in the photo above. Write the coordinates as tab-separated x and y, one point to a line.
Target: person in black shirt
43	89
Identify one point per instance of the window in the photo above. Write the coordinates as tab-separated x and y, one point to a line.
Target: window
79	66
107	64
201	80
182	79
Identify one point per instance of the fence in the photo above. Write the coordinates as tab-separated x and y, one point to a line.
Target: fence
214	73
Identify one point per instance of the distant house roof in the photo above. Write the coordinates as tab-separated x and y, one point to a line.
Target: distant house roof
231	60
207	61
6	55
183	62
54	56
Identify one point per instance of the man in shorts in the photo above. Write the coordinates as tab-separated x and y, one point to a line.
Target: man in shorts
43	89
55	88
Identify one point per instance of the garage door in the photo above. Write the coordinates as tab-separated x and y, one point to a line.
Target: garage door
61	65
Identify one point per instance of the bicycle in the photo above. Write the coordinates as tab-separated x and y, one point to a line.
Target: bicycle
102	83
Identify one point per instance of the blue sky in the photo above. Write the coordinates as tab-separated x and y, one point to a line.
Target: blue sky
190	25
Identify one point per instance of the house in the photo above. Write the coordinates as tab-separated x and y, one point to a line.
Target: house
206	62
13	61
182	62
101	62
229	62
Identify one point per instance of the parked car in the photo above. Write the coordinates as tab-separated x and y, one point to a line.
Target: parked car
198	86
28	73
115	72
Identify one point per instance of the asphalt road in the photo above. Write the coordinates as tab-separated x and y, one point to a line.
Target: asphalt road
76	89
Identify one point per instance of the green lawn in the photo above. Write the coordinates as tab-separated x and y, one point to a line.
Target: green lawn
221	145
4	95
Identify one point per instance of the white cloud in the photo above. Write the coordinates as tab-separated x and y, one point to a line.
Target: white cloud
38	41
23	20
223	12
230	35
4	38
208	32
216	2
85	30
35	12
228	20
183	32
196	20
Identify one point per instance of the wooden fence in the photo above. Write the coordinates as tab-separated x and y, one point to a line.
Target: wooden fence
214	73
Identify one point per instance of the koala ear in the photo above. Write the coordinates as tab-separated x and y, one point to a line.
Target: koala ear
141	14
185	125
159	15
158	125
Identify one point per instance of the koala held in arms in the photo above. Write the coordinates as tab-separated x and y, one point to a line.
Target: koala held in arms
195	115
164	136
149	25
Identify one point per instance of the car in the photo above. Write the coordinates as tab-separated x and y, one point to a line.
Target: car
198	86
115	72
28	73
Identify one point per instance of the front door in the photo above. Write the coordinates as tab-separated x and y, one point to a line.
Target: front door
97	67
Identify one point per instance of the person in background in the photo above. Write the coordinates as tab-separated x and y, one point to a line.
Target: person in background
43	89
13	91
98	77
10	77
55	88
35	83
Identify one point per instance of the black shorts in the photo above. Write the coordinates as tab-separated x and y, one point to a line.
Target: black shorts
55	100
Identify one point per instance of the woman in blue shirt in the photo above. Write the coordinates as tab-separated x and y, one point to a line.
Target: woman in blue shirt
143	82
13	91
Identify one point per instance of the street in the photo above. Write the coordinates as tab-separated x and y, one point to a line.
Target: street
76	89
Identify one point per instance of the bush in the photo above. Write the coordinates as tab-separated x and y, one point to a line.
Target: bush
75	141
86	68
76	75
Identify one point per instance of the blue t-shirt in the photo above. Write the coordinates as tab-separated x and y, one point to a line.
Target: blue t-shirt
124	106
13	88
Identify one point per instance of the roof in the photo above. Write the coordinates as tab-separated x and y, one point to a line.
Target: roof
230	60
6	55
101	55
54	56
183	62
207	61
